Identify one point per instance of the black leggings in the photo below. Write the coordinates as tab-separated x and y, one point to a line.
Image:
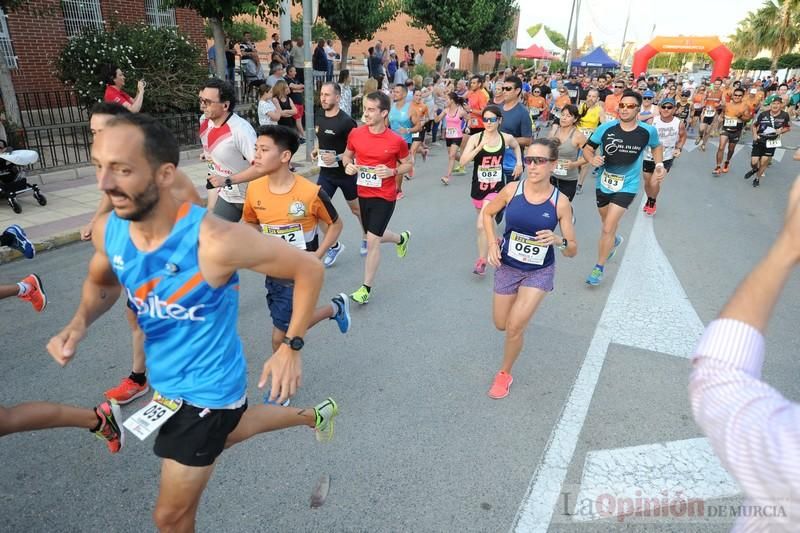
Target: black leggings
567	187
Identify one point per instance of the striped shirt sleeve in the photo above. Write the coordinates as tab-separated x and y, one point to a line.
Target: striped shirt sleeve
753	429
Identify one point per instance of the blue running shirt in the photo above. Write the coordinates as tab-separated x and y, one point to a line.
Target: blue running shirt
193	351
623	151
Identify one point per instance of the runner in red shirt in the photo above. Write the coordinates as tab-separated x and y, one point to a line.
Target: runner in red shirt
379	158
115	81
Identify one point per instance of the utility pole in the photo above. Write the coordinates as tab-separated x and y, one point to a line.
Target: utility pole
569	32
624	35
286	20
574	47
308	17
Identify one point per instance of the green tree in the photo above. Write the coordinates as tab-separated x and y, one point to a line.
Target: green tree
218	11
491	24
759	63
172	75
319	30
557	38
444	21
775	26
356	20
235	30
789	61
739	64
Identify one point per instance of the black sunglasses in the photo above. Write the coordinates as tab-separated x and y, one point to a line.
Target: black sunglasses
668	106
537	160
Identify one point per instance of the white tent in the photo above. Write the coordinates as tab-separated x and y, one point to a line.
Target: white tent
544	41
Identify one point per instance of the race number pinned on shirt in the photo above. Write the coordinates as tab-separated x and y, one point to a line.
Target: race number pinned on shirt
527	249
561	167
573	93
152	416
709	112
612	182
331	153
774	143
490	174
451	133
368	177
731	122
291	233
415	135
535	112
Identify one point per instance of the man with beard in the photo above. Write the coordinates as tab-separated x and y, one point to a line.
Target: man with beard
179	268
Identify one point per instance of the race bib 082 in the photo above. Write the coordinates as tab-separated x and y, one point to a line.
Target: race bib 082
489	174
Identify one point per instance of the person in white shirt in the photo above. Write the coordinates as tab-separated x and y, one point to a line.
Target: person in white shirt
268	114
331	53
753	428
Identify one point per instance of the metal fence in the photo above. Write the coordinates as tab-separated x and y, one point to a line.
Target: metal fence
51	108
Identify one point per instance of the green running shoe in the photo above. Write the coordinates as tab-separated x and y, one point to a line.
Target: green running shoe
618	239
361	296
402	249
325	413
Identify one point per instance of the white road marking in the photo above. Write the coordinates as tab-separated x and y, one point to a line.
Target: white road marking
645	276
779	153
638	478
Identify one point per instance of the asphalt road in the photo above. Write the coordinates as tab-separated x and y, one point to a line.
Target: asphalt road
419	446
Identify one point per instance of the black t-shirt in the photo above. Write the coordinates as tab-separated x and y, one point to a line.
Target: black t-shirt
544	88
573	90
765	120
297	98
332	133
605	91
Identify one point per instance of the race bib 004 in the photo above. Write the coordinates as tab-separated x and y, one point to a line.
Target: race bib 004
526	249
490	174
152	416
612	182
367	177
291	233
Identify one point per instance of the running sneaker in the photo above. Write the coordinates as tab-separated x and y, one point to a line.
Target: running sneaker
35	293
726	166
756	182
458	169
21	241
500	386
595	277
445	180
325	413
402	248
363	249
342	316
127	391
331	255
650	210
717	171
749	174
361	296
109	414
480	267
579	189
400	195
617	241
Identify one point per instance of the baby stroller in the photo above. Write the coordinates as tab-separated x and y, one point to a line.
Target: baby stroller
13	180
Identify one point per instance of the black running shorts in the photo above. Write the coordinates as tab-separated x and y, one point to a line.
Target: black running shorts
331	179
195	436
375	214
622	199
650	166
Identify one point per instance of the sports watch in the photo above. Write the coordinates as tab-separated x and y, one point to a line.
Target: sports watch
563	244
295	343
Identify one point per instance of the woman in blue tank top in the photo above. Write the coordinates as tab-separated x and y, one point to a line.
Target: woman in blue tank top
525	258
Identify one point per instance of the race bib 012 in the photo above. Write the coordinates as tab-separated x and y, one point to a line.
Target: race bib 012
291	233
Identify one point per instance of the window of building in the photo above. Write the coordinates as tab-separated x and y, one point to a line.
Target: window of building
80	15
6	48
159	16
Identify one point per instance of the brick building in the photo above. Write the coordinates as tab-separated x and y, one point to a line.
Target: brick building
33	35
399	32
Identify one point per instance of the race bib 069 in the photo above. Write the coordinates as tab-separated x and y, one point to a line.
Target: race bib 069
526	249
152	416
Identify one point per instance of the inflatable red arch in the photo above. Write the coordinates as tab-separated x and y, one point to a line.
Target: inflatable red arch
712	46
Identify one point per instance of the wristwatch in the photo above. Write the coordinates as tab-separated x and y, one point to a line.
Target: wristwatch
563	244
295	343
228	182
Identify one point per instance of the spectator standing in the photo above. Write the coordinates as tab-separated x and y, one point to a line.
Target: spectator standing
391	68
330	53
276	73
230	62
377	64
212	60
418	58
319	63
114	79
296	92
346	99
268	114
297	58
401	75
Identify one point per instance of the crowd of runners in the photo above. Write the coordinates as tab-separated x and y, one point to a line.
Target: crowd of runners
529	141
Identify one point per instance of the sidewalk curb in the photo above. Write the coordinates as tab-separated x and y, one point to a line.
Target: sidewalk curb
7	255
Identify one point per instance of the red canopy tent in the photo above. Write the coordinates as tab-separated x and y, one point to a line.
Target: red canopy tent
534	51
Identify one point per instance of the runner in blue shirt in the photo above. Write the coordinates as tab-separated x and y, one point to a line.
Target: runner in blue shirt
622	144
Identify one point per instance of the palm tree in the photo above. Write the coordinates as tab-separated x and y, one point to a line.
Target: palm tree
776	26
